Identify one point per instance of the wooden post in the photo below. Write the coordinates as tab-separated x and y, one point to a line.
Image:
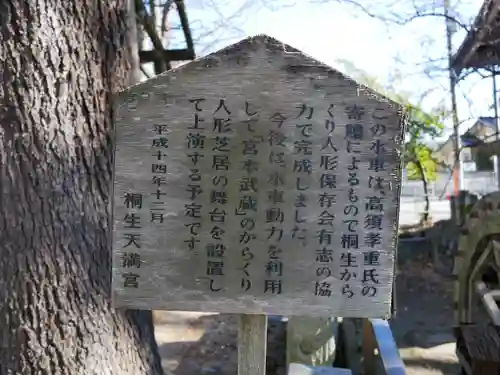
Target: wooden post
252	344
369	346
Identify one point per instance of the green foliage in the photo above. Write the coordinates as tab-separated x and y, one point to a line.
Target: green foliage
428	167
420	164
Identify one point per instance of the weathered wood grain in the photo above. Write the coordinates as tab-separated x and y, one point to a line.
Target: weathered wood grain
252	344
260	81
479	347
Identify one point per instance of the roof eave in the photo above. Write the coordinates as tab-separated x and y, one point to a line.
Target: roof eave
464	56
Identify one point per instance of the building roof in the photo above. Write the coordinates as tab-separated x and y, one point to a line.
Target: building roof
478	48
470	138
487	121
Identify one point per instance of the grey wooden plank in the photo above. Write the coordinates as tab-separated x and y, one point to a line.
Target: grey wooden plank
342	141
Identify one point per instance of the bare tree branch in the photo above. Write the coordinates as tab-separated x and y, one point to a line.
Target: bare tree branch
144	72
164	19
149	25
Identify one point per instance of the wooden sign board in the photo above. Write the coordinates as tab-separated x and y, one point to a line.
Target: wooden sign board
256	180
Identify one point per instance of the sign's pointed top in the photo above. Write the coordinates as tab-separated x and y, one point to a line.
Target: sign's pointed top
256	58
263	42
270	44
266	40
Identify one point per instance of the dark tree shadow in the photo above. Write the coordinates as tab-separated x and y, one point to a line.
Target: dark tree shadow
216	352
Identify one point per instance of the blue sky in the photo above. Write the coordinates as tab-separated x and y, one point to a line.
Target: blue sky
330	31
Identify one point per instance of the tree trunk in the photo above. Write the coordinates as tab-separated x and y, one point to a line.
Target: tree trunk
425	215
59	65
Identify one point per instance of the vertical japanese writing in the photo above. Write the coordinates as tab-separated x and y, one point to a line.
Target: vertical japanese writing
220	164
326	200
195	145
349	240
275	215
302	169
374	205
159	167
130	257
247	207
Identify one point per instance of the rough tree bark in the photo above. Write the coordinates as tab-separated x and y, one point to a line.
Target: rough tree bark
60	62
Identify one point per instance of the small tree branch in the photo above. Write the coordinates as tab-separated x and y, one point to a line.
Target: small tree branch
144	72
148	22
164	19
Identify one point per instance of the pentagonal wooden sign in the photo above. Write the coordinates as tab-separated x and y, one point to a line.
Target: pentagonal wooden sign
256	180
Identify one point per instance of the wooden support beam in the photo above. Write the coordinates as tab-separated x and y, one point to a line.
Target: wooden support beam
168	55
484	57
161	57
